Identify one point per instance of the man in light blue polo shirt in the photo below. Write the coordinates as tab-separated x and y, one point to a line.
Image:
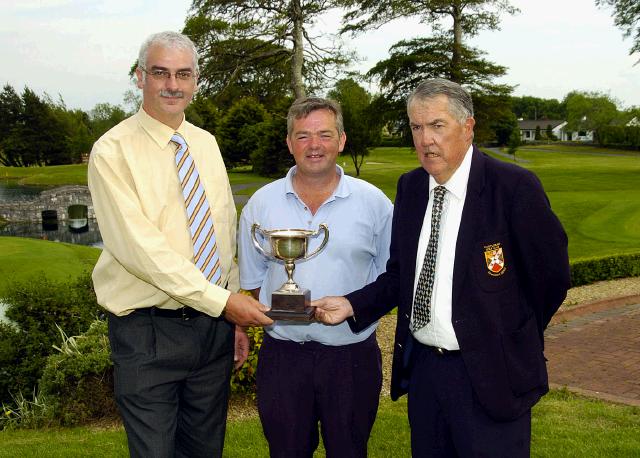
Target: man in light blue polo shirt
310	373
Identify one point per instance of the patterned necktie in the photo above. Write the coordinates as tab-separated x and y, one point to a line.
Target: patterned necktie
205	251
422	301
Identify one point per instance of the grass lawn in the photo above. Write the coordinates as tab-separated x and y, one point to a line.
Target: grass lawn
563	425
594	192
22	258
59	175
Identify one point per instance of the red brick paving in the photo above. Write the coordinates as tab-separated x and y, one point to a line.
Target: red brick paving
597	353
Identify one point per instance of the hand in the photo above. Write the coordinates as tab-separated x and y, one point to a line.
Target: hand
241	348
332	309
246	311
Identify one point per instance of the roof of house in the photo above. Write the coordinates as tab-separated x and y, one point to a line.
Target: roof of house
531	124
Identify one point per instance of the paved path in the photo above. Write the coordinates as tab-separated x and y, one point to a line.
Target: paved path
597	353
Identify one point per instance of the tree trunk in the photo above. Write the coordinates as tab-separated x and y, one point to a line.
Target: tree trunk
456	56
297	59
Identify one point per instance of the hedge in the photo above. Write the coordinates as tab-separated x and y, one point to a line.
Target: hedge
591	270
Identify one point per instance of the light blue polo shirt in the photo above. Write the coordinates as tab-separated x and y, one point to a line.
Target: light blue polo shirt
359	219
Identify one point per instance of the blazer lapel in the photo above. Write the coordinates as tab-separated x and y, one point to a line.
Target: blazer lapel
469	223
417	209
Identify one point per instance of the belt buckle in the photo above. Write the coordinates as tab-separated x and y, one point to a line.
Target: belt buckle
185	317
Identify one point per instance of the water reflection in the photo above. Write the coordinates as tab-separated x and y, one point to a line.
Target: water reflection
89	235
10	191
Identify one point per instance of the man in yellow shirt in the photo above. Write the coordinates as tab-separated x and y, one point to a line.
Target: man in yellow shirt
166	275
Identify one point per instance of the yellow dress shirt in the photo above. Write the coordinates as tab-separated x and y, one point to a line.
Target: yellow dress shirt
148	254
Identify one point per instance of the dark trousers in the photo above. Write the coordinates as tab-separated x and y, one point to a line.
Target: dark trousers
446	419
300	385
171	382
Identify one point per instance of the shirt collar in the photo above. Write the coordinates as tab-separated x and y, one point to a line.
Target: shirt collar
158	131
457	183
342	190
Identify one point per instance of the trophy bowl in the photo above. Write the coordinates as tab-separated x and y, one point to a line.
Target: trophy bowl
290	301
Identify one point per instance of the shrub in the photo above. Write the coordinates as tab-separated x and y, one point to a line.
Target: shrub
35	308
591	270
25	413
78	379
243	381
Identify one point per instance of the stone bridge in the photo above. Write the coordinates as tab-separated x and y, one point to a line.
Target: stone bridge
58	199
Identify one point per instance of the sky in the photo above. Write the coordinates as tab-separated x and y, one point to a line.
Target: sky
82	50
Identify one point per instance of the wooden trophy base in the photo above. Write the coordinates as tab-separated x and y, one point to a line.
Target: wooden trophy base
291	306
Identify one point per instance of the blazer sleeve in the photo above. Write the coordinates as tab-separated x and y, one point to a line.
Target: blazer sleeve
378	298
541	243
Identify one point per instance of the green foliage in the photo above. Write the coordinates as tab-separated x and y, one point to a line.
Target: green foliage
254	45
591	270
271	157
589	110
36	307
514	142
243	380
33	413
103	117
237	132
361	122
527	107
537	136
78	380
621	136
549	133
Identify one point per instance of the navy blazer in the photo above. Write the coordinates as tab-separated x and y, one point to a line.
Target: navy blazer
498	313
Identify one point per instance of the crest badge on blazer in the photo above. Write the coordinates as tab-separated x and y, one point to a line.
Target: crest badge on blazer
494	257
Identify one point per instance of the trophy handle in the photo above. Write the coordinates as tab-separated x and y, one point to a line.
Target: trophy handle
325	228
256	227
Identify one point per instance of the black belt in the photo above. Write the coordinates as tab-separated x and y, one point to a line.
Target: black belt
184	313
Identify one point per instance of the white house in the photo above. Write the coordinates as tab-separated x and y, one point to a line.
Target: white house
558	128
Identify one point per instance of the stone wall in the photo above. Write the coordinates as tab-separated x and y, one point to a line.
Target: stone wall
58	199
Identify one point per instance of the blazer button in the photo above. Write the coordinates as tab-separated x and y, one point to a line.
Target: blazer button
400	346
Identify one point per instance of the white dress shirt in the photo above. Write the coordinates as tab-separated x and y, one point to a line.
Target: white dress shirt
439	331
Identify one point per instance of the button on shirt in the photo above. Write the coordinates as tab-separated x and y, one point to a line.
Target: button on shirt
359	219
148	254
439	331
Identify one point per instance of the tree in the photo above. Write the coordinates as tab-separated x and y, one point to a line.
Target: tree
271	157
103	117
414	60
527	107
10	112
626	14
362	129
514	143
467	17
589	110
248	43
237	132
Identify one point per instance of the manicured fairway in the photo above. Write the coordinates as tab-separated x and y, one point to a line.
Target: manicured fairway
594	192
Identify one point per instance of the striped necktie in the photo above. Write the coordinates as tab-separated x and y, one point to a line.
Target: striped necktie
422	300
203	235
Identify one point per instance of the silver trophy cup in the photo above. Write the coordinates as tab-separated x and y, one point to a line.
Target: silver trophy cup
290	302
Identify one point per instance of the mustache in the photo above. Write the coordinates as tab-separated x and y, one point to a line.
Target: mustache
168	93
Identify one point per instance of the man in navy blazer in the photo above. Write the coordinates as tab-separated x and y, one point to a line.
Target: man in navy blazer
475	369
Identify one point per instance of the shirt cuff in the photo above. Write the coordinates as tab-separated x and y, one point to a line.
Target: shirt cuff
214	300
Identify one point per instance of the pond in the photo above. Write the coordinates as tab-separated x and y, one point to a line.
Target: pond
61	231
11	191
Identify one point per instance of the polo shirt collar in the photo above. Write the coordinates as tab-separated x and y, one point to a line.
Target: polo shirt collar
159	132
342	190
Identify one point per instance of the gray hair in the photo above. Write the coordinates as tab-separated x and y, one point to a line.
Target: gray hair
168	39
460	103
304	106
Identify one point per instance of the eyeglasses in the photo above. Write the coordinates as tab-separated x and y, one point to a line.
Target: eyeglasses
158	74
